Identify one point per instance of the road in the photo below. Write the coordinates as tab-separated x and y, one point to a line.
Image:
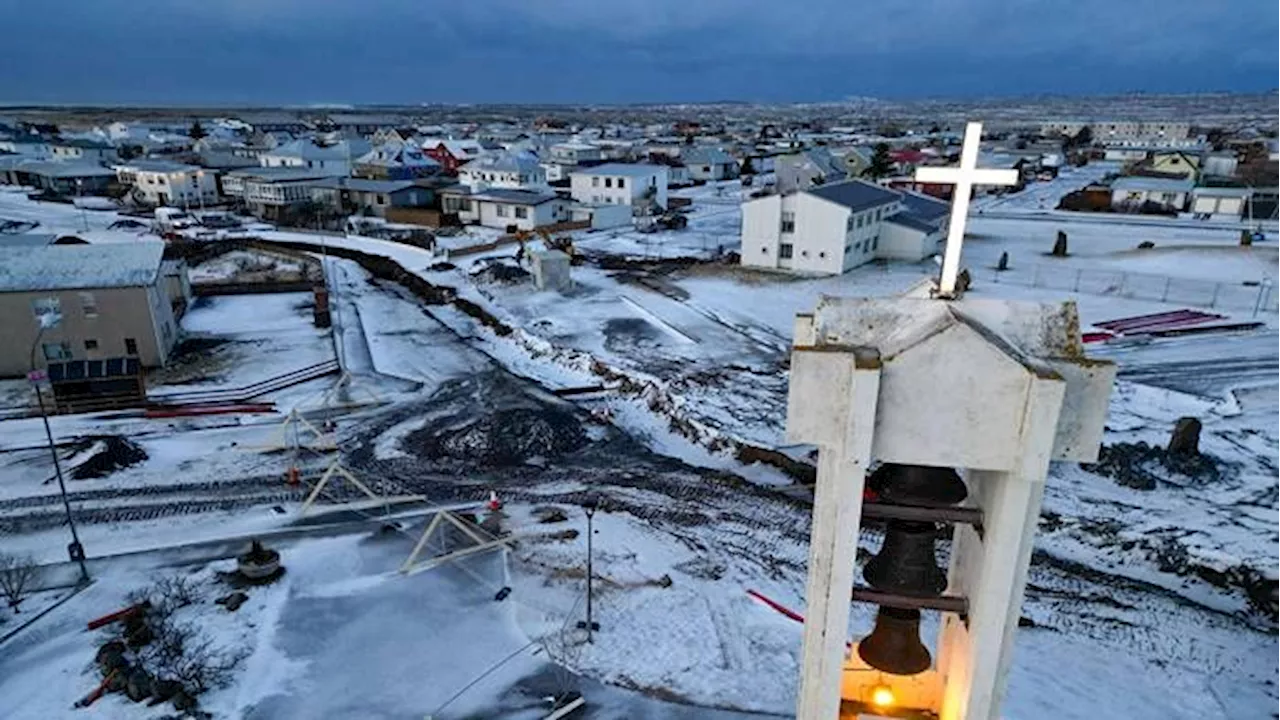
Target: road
1199	364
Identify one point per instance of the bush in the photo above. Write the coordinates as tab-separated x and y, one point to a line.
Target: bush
18	575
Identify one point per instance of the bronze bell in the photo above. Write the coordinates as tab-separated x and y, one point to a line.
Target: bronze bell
906	564
918	485
894	645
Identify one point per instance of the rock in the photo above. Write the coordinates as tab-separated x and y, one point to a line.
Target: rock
119	679
137	633
1146	245
963	281
233	601
1003	264
1025	621
162	690
1246	238
664	581
111	656
549	514
1060	245
138	687
1185	439
183	701
566	534
502	594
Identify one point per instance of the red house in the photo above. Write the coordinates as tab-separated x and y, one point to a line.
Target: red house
452	154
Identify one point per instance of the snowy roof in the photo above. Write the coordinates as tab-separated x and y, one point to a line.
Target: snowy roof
1223	192
624	169
924	207
279	174
856	195
506	162
68	267
55	169
706	156
156	166
1150	184
515	197
26	240
362	185
80	142
307	149
397	154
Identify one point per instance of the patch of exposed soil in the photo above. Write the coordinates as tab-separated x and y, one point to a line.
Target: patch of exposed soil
101	455
1143	467
509	436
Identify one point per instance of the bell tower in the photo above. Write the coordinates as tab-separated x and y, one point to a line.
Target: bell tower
960	405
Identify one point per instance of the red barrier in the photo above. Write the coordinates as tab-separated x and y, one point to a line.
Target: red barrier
115	616
197	410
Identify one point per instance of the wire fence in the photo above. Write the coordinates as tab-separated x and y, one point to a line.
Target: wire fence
1254	298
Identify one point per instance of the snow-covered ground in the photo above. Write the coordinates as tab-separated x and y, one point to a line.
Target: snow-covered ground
1139	598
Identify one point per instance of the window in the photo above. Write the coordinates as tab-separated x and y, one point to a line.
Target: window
622	182
522	212
608	182
875	242
502	210
46	307
90	344
848	224
788	221
595	182
130	346
784	251
848	249
381	199
56	351
860	219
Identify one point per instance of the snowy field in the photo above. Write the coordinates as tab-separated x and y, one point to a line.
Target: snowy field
1152	602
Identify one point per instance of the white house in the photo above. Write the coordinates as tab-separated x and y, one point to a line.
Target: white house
708	163
1219	164
620	184
161	182
1128	193
830	229
1226	202
83	149
503	207
511	170
335	159
573	153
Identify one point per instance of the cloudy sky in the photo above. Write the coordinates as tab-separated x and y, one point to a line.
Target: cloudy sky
409	51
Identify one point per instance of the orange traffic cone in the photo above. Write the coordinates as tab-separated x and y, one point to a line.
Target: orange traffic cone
292	476
494	503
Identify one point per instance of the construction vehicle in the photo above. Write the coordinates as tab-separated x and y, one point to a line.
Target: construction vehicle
563	243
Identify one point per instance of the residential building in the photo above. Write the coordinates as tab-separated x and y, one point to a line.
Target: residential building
1173	163
63	178
575	153
709	164
807	168
452	154
273	193
830	229
83	149
1221	202
504	208
1131	193
639	186
1221	164
1125	132
34	147
350	196
395	160
511	170
332	159
113	300
161	182
361	123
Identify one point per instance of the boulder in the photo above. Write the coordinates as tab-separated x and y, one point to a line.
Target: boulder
1185	438
233	601
138	686
964	281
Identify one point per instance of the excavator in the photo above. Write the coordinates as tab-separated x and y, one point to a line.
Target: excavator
563	243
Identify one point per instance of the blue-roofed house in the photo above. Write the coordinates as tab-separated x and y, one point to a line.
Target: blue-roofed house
831	229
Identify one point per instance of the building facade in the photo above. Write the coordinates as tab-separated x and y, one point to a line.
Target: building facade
160	182
620	184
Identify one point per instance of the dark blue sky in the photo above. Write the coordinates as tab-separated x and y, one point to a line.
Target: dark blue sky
410	51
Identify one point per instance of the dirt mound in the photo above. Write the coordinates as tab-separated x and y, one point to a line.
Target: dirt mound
1143	467
504	437
500	272
101	455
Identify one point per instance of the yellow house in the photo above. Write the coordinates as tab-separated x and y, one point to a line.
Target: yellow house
1175	162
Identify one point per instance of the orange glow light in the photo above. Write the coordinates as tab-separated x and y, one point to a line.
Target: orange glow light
882	696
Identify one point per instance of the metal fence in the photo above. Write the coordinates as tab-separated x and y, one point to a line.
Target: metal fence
1247	297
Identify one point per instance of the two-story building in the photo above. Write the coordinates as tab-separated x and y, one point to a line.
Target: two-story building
510	170
272	193
98	301
84	150
1131	193
830	229
639	186
395	160
162	182
328	159
709	164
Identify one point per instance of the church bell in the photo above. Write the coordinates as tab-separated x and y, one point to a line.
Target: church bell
894	645
917	485
906	564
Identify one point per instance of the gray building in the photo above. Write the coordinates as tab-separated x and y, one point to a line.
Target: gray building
350	196
808	168
113	300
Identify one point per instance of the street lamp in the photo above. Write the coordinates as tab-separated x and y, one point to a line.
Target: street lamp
590	505
75	550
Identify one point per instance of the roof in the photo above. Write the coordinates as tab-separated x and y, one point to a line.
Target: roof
856	195
706	156
515	197
362	185
87	143
1226	192
55	169
624	169
69	267
1150	184
156	166
506	162
924	207
908	220
26	240
307	149
279	174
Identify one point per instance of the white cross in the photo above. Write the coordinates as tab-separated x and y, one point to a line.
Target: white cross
964	178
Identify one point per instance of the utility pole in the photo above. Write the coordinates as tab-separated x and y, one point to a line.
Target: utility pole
75	550
589	506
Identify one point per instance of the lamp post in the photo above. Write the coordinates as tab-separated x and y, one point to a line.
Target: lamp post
589	506
75	550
